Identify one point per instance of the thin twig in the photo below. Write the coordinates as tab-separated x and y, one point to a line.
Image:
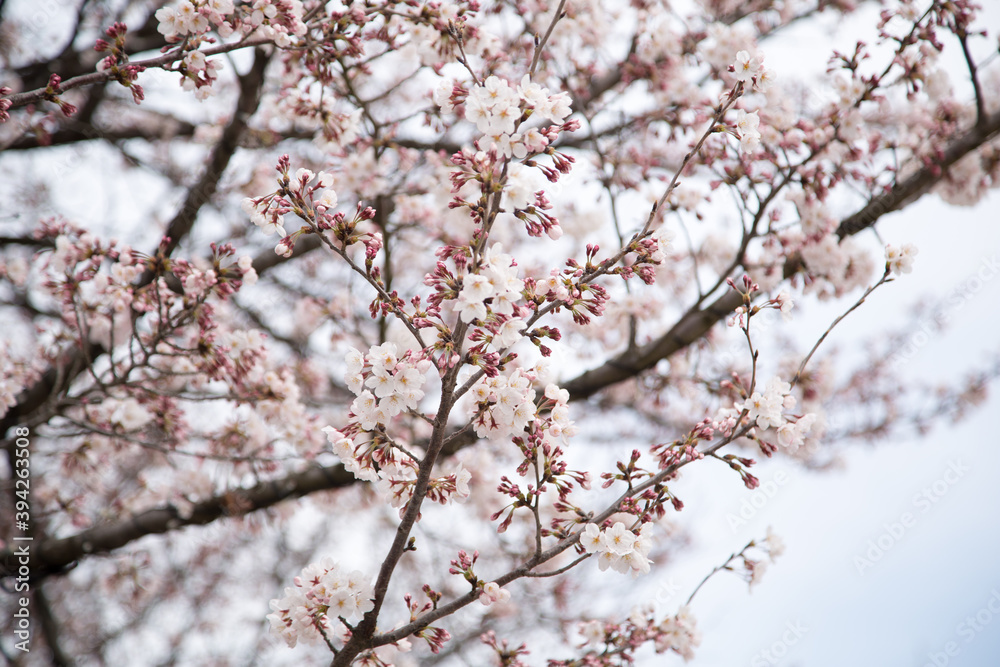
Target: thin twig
545	38
884	279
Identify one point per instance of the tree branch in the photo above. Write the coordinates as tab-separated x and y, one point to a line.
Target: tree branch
94	78
251	85
71	62
911	189
55	555
50	628
74	131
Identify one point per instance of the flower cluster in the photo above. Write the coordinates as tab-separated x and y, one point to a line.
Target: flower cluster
277	20
125	414
900	260
496	283
493	593
747	125
323	591
783	303
558	424
385	385
618	548
766	409
393	384
838	265
270	218
679	633
497	109
505	405
753	567
200	74
116	63
263	216
792	434
664	238
393	471
191	18
313	202
750	69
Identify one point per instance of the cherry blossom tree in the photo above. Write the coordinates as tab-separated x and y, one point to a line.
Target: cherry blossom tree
356	319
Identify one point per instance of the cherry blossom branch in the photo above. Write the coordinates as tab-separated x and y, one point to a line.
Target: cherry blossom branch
458	603
526	568
39	94
361	637
700	319
251	85
39	402
884	279
911	189
442	441
77	361
57	554
963	39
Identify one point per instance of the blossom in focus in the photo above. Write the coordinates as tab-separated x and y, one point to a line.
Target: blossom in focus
766	409
497	109
746	127
505	405
746	66
618	548
493	593
322	591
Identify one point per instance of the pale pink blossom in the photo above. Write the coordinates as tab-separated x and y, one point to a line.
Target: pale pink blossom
900	260
493	593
